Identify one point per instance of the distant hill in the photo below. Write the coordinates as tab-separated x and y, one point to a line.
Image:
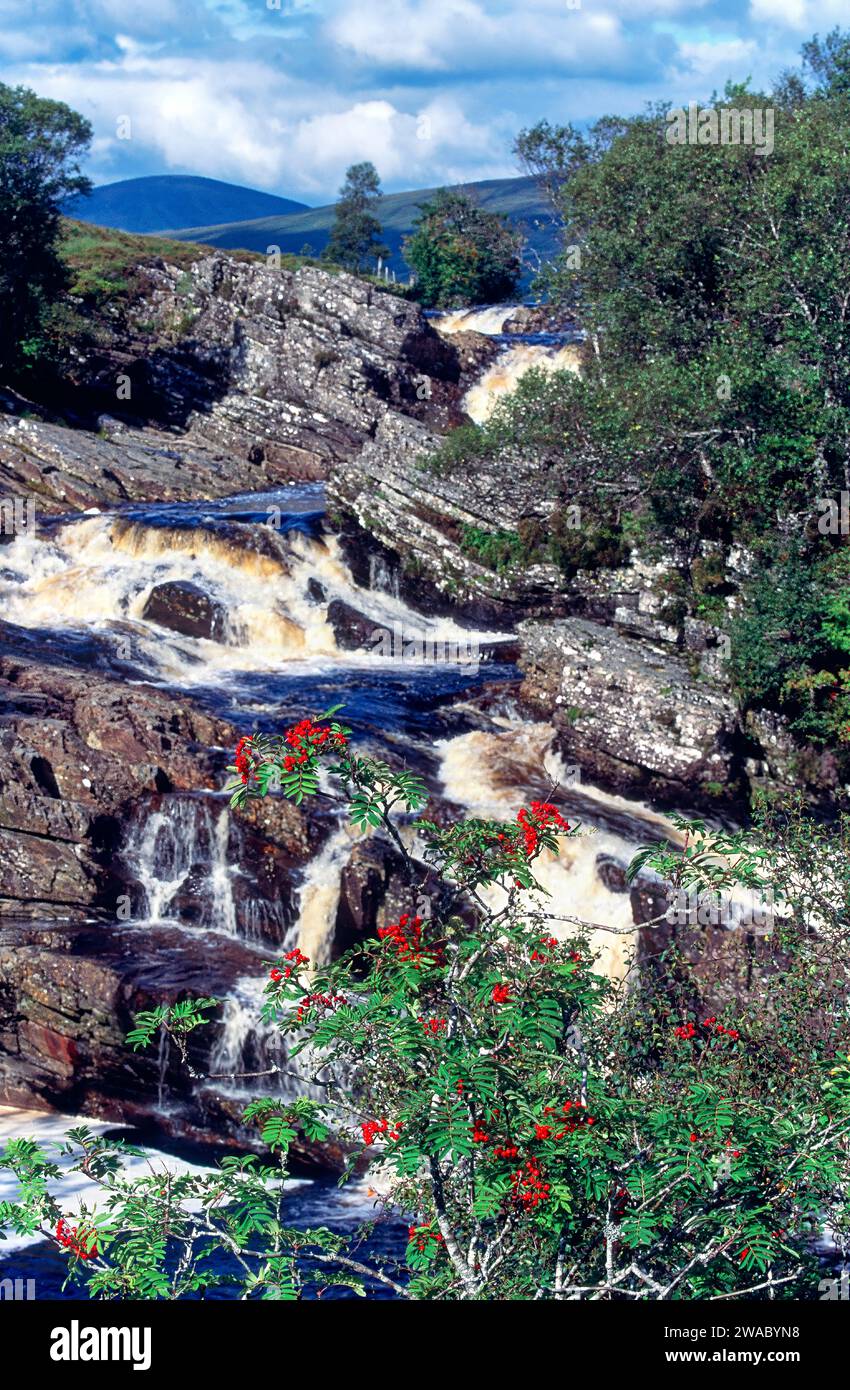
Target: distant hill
519	198
159	201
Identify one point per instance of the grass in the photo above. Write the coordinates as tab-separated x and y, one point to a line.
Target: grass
106	264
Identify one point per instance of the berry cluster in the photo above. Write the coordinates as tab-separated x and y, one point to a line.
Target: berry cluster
297	959
540	816
432	1026
528	1185
74	1239
574	1118
405	938
423	1236
688	1031
372	1128
306	739
246	759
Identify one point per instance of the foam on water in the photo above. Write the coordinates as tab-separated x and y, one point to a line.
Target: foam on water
50	1130
503	374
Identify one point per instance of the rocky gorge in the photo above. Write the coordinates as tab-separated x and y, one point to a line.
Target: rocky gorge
232	498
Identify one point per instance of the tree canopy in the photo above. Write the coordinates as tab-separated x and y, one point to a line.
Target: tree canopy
462	254
41	145
713	409
354	241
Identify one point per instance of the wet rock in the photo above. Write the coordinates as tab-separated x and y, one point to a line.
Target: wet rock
374	868
612	872
67	999
184	607
422	517
354	631
538	318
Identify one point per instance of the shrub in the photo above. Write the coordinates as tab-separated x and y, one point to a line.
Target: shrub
551	1133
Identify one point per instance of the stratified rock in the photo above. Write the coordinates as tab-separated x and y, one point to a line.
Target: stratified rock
234	376
184	607
631	715
82	755
420	516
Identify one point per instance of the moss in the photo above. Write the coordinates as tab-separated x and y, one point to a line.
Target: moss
496	550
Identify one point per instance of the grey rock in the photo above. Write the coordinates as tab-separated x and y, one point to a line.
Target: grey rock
184	607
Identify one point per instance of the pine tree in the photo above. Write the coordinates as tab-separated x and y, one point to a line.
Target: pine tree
354	240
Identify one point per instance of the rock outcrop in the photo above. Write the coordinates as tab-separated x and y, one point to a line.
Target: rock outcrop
231	376
631	713
184	607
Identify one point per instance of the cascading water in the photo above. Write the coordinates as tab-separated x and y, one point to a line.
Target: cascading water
245	1043
184	844
490	319
492	773
244	1046
513	362
97	575
520	352
271	573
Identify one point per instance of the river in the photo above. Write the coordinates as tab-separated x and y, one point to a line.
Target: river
77	591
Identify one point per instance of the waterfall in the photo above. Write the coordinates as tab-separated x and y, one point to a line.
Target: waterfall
513	362
492	774
319	896
187	857
382	577
244	1042
160	854
489	319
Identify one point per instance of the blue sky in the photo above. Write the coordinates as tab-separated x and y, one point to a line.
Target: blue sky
284	94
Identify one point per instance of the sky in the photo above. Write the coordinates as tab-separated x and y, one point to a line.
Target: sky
284	94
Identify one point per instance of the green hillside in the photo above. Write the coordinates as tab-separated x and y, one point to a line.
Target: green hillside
519	198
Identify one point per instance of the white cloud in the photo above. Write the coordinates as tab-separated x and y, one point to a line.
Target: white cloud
286	99
806	15
434	144
247	123
461	36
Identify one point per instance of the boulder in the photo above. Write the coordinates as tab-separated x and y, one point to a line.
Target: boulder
184	607
631	714
354	631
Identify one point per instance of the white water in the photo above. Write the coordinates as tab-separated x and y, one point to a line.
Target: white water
246	1043
509	367
97	574
490	319
50	1129
320	893
186	836
492	774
